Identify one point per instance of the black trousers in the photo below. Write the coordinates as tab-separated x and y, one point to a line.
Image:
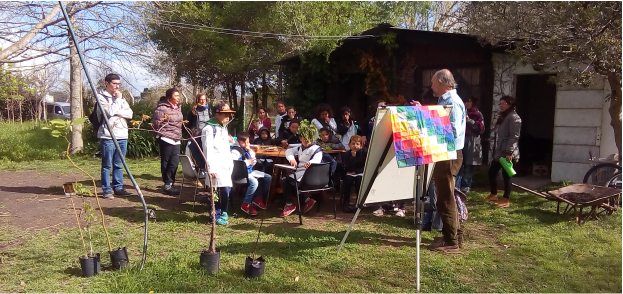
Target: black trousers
288	185
493	174
349	182
169	160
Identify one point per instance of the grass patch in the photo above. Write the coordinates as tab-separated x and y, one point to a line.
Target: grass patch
526	248
27	141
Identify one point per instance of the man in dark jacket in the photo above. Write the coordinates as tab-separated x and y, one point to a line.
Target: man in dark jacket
354	163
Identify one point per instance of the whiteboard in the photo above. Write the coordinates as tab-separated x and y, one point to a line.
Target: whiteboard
390	183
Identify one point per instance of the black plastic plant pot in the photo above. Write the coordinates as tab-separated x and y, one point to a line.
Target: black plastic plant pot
254	268
90	266
211	261
119	257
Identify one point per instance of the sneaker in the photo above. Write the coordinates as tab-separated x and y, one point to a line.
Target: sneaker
224	215
221	221
170	190
288	210
122	192
309	203
378	212
400	213
259	202
246	207
108	195
202	173
491	197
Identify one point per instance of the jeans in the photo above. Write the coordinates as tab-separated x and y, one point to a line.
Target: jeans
253	183
223	201
169	160
431	217
111	159
200	163
266	164
464	178
328	158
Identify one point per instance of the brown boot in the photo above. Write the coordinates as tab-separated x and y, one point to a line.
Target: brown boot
199	184
503	203
491	197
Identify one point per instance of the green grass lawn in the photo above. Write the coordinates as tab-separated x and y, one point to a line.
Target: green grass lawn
526	248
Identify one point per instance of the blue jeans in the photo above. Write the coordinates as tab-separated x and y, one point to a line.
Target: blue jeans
464	177
431	217
223	201
253	183
111	159
328	158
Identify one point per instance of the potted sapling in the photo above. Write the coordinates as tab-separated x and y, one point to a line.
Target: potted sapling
63	128
210	257
90	263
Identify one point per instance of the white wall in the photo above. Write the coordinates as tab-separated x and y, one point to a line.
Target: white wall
581	119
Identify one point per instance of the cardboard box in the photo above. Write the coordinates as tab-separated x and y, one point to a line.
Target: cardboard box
540	170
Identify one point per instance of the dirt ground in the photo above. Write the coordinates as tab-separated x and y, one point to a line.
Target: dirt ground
32	201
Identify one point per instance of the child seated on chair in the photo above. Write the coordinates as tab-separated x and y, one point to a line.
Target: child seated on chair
244	153
354	162
265	163
307	153
328	141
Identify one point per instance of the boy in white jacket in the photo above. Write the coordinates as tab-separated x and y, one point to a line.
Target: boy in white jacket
218	157
308	153
118	110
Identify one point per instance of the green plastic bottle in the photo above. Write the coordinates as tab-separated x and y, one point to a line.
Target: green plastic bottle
508	166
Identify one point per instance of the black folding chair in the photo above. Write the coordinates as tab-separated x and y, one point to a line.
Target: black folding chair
316	178
239	176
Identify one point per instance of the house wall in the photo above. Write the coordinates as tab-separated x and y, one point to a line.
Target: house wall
581	119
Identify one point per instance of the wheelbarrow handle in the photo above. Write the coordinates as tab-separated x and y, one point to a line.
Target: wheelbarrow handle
533	192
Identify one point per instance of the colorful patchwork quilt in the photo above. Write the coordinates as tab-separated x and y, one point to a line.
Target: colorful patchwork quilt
422	135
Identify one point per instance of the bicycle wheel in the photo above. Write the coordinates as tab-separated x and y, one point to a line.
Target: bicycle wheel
614	182
601	173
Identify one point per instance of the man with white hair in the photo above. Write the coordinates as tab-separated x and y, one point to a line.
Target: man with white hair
444	174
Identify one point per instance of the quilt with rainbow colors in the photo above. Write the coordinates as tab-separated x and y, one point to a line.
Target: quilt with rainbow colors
422	134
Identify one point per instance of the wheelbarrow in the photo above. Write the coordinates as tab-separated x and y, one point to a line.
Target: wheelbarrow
577	197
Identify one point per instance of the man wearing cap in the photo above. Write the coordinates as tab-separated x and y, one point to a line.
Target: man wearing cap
218	157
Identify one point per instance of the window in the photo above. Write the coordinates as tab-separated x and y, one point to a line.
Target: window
57	110
467	78
66	109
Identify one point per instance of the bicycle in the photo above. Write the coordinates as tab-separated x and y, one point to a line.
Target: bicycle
604	173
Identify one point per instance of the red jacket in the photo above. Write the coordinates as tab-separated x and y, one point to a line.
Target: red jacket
254	126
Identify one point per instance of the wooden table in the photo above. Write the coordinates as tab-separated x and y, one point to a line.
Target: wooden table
280	158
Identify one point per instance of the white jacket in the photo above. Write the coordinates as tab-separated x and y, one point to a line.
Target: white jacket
218	155
311	154
118	110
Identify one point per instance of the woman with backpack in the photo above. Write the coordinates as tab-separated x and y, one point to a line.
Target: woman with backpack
472	152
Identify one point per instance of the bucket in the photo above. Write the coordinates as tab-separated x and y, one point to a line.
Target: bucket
210	260
119	257
254	268
90	266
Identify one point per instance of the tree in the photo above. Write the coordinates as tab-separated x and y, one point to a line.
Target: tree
584	38
109	35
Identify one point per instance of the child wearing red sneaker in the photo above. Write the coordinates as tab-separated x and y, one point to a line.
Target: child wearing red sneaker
307	153
244	153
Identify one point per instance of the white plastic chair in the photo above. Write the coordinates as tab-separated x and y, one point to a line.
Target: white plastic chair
189	172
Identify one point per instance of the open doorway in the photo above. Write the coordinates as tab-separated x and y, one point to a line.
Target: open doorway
536	105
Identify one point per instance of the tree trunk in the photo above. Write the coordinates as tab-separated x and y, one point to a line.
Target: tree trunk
75	96
615	109
242	102
256	98
280	86
264	91
20	113
234	96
